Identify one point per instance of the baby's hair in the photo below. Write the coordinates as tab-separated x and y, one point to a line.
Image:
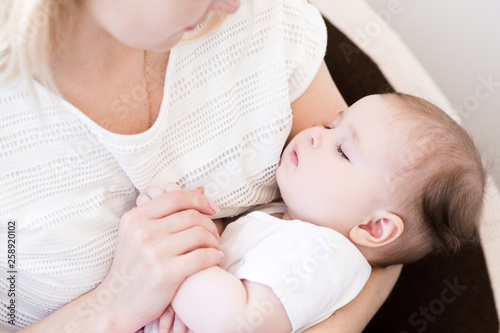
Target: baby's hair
440	187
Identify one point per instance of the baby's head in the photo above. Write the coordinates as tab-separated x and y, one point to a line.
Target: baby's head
393	173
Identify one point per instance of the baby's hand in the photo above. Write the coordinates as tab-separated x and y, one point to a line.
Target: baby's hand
170	323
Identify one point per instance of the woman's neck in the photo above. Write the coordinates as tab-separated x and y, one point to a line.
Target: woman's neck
92	70
90	48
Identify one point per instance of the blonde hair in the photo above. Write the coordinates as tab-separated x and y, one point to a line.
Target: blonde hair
31	32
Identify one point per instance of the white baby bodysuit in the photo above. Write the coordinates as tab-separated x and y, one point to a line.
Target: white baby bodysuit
312	270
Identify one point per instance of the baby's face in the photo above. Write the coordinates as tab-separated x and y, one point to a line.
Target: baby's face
338	176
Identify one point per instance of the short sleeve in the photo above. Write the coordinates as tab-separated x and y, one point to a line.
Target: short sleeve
312	270
305	38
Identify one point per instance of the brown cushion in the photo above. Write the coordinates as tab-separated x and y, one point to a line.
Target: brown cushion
437	294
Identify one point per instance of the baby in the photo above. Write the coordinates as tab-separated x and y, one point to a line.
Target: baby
390	181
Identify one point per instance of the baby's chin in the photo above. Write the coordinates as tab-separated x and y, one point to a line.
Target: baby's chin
279	170
279	164
278	174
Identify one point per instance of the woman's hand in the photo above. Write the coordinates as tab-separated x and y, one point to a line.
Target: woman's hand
160	243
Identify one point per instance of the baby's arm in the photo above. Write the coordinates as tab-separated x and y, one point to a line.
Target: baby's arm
214	300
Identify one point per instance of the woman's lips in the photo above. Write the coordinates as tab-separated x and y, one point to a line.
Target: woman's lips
293	155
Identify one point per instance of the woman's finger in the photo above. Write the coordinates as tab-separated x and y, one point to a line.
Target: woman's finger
197	260
175	201
199	189
187	219
190	240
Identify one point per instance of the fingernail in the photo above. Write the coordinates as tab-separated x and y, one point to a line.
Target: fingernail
196	190
142	199
201	189
214	206
172	187
221	254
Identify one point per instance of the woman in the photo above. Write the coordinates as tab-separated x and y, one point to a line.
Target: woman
120	103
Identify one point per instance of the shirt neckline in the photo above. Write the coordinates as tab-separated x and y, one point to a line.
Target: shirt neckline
113	136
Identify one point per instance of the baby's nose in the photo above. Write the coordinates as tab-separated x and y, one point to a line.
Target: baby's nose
315	139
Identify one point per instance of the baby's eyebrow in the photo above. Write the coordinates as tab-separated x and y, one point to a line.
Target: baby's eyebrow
355	139
338	119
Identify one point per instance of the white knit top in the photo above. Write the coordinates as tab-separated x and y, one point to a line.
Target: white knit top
222	124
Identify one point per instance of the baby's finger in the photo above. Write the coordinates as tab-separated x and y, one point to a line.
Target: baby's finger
176	201
150	193
172	187
142	199
154	191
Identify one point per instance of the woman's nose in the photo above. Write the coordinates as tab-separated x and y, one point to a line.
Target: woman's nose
226	6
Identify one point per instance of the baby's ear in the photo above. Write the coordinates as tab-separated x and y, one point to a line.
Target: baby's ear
383	228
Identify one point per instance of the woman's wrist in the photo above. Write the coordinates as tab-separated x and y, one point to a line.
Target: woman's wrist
90	314
106	322
80	316
104	315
